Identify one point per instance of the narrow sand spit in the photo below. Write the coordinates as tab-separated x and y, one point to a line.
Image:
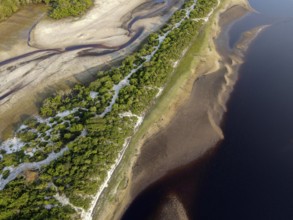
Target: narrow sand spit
56	53
188	125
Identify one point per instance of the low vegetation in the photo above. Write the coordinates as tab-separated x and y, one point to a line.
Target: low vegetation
65	8
57	9
9	7
94	140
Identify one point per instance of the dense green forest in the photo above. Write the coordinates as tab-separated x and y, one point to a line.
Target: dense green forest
8	7
57	9
90	139
65	8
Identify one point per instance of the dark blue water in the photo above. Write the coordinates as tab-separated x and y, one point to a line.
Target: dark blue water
250	176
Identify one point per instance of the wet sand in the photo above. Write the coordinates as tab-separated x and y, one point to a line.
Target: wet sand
15	30
172	197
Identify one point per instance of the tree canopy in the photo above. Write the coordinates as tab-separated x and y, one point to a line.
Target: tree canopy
57	9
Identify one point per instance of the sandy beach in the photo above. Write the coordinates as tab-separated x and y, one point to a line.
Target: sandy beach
185	122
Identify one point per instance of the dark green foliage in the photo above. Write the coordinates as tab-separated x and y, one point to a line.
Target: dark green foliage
203	8
27	136
21	200
65	8
57	9
5	174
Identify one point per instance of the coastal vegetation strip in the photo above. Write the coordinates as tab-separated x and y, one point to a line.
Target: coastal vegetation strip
57	9
88	129
9	7
198	59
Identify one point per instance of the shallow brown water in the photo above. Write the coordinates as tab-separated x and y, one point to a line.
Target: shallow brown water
16	28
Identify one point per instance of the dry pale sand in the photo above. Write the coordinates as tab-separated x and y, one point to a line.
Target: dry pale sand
25	82
189	125
104	23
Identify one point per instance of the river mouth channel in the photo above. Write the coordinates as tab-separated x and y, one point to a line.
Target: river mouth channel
249	174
